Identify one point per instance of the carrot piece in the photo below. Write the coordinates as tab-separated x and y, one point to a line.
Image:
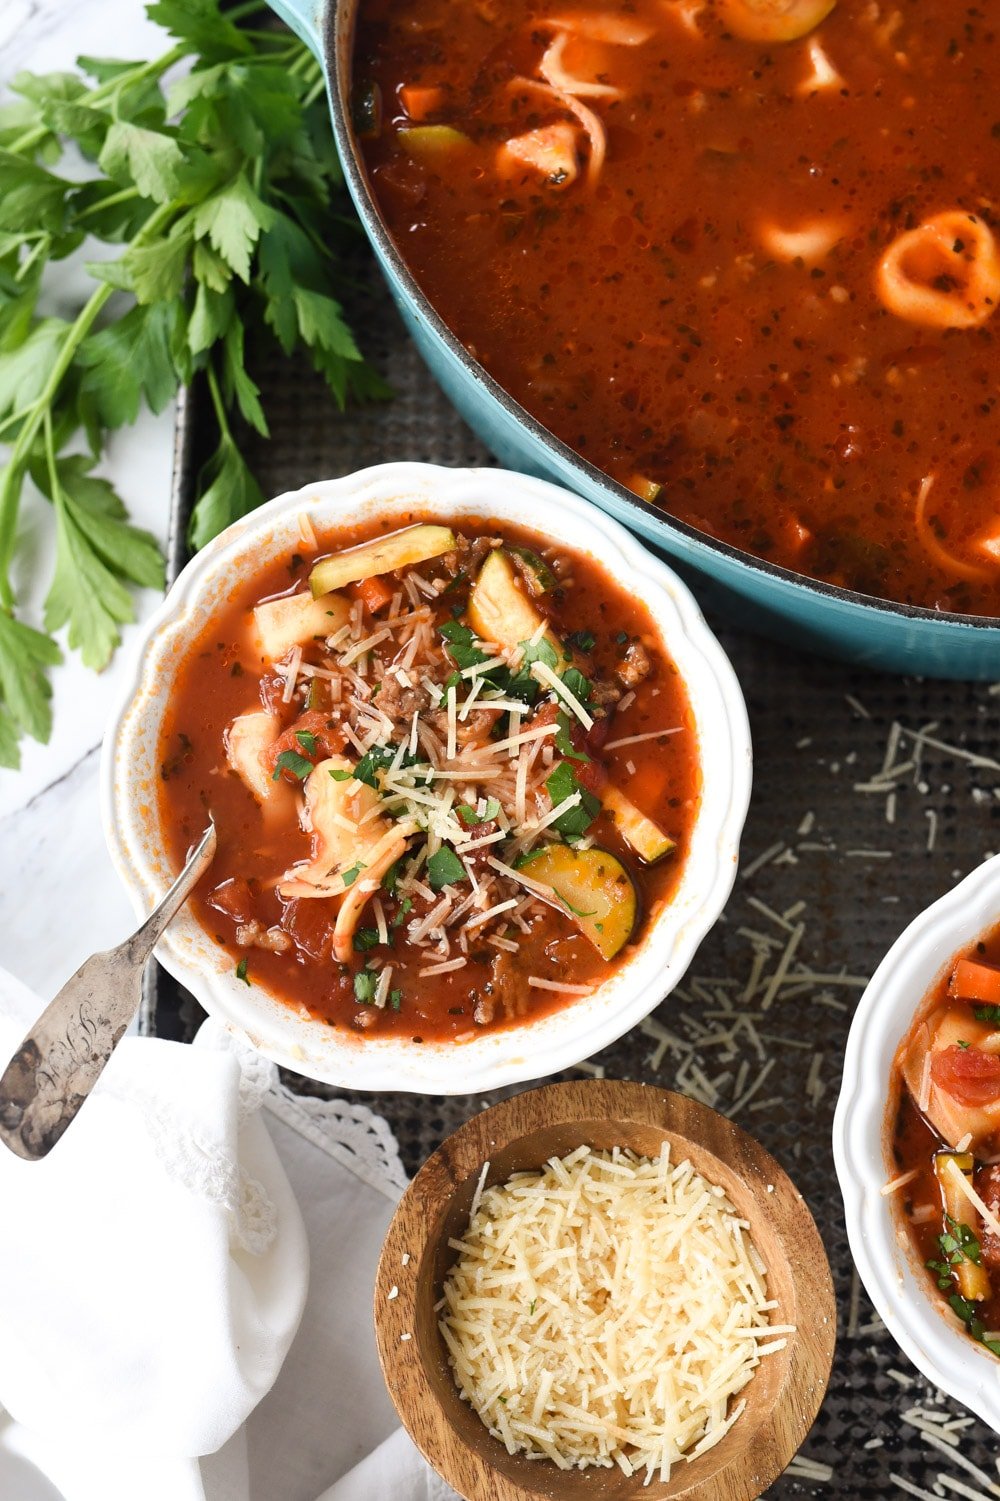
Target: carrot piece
974	981
421	100
375	593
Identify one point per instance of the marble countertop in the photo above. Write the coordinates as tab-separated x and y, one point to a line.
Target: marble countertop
54	857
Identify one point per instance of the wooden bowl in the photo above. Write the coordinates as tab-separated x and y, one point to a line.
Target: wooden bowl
522	1133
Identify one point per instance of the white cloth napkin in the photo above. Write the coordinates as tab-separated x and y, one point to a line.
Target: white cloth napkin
152	1273
153	1268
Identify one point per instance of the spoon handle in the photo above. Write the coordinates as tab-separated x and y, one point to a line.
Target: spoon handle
64	1053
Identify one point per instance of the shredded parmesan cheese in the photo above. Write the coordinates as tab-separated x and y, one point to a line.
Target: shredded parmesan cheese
606	1311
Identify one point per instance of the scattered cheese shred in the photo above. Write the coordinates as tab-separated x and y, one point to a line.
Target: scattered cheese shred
606	1311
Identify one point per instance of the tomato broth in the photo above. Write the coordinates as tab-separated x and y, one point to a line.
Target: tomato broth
753	280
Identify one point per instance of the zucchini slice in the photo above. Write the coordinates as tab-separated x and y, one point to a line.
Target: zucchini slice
639	832
596	890
414	544
500	611
431	144
283	623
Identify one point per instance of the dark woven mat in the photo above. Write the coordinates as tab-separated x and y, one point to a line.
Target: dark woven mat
821	731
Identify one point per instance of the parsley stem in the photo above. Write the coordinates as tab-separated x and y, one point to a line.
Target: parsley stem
217	403
125	195
10	488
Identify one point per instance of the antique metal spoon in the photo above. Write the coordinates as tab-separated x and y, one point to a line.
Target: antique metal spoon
61	1058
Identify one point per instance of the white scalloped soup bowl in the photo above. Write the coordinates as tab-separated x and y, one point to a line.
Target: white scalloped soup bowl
130	777
898	1287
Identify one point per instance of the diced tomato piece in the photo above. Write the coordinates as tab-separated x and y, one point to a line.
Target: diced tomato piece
318	741
975	981
547	714
969	1075
309	923
421	100
591	776
374	592
234	898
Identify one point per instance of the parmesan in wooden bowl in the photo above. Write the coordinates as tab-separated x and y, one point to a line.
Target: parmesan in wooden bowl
607	1286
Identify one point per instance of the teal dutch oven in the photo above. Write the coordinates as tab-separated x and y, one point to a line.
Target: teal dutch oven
801	611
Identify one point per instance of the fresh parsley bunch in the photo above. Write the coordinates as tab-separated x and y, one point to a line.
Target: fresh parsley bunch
221	190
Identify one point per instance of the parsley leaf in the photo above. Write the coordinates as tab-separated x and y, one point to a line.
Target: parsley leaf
350	876
561	785
365	986
233	492
365	939
217	212
290	760
444	868
541	651
241	971
563	738
340	776
307	740
584	641
461	649
378	758
24	655
987	1013
578	685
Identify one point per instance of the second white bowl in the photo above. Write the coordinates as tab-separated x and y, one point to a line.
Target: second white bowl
899	1288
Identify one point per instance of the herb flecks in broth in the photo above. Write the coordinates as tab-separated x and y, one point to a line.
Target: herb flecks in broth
742	255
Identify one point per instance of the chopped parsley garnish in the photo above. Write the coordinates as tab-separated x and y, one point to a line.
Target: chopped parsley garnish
290	760
461	645
395	999
365	986
444	868
963	1044
518	685
987	1014
365	939
578	685
563	738
391	877
378	758
561	784
241	971
540	651
405	908
584	641
340	776
966	1311
621	638
468	815
307	740
958	1244
350	876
